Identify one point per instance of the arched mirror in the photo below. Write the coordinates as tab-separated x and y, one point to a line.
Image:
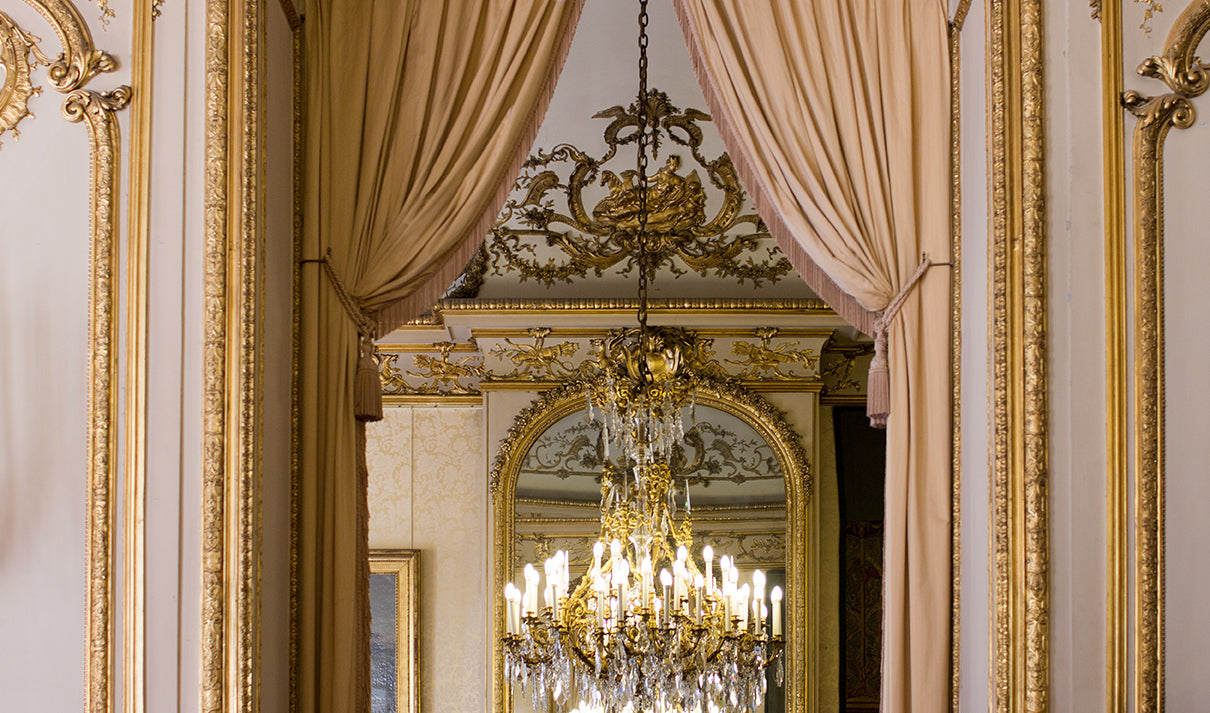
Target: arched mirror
740	473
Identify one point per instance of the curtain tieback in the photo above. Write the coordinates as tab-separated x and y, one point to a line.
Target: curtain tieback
878	404
367	387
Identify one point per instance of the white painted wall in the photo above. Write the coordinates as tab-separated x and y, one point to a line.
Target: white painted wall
975	595
44	278
1076	289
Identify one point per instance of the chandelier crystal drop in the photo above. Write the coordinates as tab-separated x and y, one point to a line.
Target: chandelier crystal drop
646	626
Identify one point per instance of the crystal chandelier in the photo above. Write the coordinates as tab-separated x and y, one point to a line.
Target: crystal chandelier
647	627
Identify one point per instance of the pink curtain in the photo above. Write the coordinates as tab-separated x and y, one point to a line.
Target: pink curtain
837	117
419	114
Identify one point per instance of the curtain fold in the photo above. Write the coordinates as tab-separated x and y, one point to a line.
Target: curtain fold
837	117
419	114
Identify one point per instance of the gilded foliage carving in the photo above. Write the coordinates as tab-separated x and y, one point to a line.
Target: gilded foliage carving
19	54
839	366
763	361
537	362
552	210
441	375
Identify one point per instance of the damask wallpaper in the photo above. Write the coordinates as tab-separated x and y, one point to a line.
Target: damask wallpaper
428	491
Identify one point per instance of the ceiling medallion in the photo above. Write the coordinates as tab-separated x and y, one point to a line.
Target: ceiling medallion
548	209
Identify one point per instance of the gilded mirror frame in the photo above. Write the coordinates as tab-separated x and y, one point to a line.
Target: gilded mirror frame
770	423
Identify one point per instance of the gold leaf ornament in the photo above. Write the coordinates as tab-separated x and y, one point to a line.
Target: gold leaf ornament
595	233
19	54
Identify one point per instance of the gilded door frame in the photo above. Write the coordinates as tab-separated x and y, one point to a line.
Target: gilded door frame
1019	464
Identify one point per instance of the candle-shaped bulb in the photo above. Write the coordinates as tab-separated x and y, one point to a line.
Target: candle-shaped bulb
615	549
665	578
775	601
708	554
682	553
733	575
758	584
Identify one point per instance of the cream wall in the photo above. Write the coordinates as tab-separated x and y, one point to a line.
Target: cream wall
428	491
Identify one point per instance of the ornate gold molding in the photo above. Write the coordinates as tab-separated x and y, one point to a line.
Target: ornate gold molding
231	380
1020	612
137	307
1187	77
1116	380
79	62
16	49
299	134
657	305
955	49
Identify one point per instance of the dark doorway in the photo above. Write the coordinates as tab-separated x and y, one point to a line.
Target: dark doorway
861	476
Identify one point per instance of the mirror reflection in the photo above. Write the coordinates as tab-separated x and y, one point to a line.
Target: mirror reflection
682	566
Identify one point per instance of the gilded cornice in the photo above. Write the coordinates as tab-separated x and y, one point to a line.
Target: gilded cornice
541	358
1186	77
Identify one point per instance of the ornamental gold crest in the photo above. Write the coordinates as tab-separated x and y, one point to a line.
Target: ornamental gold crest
585	209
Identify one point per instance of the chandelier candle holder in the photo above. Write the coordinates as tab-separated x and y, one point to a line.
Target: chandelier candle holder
626	638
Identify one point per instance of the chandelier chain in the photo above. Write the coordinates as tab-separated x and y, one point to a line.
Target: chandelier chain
642	171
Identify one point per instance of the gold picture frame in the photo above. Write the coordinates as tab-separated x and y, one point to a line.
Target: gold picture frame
394	587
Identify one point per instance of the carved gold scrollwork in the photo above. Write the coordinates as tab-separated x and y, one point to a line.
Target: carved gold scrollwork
80	60
440	375
763	361
16	49
1186	76
596	239
537	361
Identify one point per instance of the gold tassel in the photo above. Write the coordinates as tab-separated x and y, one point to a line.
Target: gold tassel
367	388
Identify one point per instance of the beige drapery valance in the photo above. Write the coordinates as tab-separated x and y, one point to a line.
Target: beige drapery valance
837	117
419	114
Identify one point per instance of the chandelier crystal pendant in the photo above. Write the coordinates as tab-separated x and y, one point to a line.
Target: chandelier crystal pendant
646	626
